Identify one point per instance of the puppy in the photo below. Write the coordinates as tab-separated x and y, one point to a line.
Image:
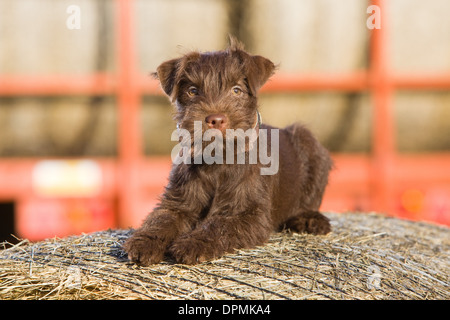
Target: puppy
209	209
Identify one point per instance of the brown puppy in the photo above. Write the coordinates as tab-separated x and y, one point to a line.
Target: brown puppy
210	209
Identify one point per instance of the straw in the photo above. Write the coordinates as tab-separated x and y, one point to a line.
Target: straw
367	256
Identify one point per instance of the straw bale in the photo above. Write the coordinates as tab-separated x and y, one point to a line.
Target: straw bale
367	256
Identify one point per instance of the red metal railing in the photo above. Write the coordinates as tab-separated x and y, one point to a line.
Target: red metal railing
365	182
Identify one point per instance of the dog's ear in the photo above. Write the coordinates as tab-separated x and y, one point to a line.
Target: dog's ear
259	71
166	73
258	68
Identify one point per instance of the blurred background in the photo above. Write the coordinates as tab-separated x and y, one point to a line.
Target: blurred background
85	132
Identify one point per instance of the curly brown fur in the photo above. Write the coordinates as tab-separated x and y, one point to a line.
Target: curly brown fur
208	210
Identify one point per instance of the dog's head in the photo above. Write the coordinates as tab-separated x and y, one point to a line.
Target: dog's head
218	88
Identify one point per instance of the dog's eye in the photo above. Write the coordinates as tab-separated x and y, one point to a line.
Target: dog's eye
236	90
192	91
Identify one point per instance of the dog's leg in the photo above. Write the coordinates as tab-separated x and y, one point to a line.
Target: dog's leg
308	222
148	244
177	213
221	234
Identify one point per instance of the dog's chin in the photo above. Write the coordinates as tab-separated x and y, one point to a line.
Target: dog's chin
214	142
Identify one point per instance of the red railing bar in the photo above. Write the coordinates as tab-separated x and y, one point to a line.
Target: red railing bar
107	84
356	81
351	171
129	129
421	81
93	84
383	139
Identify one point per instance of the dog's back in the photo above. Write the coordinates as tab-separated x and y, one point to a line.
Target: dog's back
303	174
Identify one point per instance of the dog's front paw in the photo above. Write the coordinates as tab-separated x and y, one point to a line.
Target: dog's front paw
187	250
144	249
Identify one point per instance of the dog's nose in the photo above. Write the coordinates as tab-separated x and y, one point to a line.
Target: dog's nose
216	121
